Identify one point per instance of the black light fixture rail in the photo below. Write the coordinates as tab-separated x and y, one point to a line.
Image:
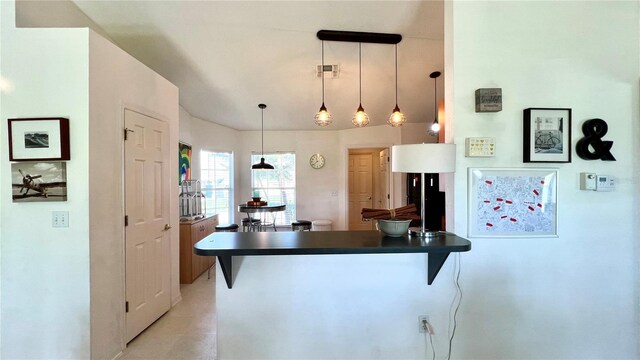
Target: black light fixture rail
359	37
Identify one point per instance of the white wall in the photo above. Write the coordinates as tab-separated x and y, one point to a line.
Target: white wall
118	81
575	296
45	271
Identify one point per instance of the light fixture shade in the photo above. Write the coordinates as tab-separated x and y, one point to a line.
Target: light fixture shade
323	116
423	158
397	118
262	165
360	118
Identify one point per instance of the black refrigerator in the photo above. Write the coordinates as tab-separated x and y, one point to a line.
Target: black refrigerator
434	200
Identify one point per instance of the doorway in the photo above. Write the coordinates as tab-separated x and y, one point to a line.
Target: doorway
368	184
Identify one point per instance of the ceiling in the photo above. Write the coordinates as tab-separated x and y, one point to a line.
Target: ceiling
228	56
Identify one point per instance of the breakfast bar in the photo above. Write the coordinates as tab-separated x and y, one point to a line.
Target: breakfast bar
227	245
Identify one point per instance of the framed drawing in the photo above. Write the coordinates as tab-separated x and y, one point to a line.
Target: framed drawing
39	181
184	161
39	139
519	202
547	135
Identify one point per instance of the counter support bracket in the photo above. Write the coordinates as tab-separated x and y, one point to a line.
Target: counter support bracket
227	269
436	260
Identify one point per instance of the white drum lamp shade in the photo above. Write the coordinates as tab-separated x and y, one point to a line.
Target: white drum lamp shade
423	158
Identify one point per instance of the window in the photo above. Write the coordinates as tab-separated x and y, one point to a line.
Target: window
216	174
277	186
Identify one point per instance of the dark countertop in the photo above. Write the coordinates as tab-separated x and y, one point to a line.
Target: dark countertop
226	245
324	242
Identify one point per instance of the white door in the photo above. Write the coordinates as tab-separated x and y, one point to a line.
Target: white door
147	244
360	190
383	188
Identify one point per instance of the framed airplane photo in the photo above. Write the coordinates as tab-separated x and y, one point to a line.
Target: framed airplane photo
39	139
39	181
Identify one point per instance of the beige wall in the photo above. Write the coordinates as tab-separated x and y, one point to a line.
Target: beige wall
118	82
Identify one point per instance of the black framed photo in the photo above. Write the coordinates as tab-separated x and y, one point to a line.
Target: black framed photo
39	139
547	135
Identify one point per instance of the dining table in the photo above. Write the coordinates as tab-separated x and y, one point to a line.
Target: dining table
251	210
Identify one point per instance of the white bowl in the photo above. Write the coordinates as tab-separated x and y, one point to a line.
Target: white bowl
394	227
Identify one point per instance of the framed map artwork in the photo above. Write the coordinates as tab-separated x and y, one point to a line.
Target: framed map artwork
513	202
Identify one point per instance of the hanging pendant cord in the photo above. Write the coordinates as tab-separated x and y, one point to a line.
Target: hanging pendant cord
435	95
360	68
396	74
322	72
262	137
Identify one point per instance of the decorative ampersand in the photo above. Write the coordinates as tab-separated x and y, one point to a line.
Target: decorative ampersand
594	130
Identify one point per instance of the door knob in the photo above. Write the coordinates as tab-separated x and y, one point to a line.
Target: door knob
167	227
369	197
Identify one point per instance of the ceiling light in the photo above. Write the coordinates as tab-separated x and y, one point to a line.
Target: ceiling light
397	118
360	119
262	165
323	117
435	127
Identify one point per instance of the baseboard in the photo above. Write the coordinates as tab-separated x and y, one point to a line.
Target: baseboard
175	301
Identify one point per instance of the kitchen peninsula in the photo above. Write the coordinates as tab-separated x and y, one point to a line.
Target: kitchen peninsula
320	289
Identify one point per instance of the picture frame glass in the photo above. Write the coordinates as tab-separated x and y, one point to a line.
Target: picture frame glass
39	139
547	135
512	202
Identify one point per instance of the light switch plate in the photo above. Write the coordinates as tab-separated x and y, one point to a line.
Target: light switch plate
59	219
479	146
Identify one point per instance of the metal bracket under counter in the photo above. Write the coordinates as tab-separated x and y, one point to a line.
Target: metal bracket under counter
226	245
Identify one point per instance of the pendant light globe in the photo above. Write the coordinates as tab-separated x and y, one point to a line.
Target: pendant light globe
360	118
434	129
323	116
397	118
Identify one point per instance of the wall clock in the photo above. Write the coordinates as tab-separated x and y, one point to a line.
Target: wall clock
316	161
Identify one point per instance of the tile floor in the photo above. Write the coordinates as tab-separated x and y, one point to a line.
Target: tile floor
186	332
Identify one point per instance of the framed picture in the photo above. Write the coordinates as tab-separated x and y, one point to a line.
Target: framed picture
518	202
39	181
547	135
39	139
184	161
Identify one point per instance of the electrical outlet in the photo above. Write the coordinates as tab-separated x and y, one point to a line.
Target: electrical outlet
423	324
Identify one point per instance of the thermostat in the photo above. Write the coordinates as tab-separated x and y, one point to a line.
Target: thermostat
479	146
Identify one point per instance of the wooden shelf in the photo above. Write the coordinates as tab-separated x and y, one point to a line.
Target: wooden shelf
227	245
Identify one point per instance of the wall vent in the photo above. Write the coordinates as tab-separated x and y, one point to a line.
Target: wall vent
333	70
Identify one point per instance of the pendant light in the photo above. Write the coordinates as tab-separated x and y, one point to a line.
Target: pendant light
262	165
360	119
397	118
435	127
323	117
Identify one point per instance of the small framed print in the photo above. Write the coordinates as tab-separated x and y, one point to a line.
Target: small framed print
547	135
39	139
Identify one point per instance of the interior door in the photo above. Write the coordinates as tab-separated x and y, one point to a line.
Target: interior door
360	190
383	187
147	235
